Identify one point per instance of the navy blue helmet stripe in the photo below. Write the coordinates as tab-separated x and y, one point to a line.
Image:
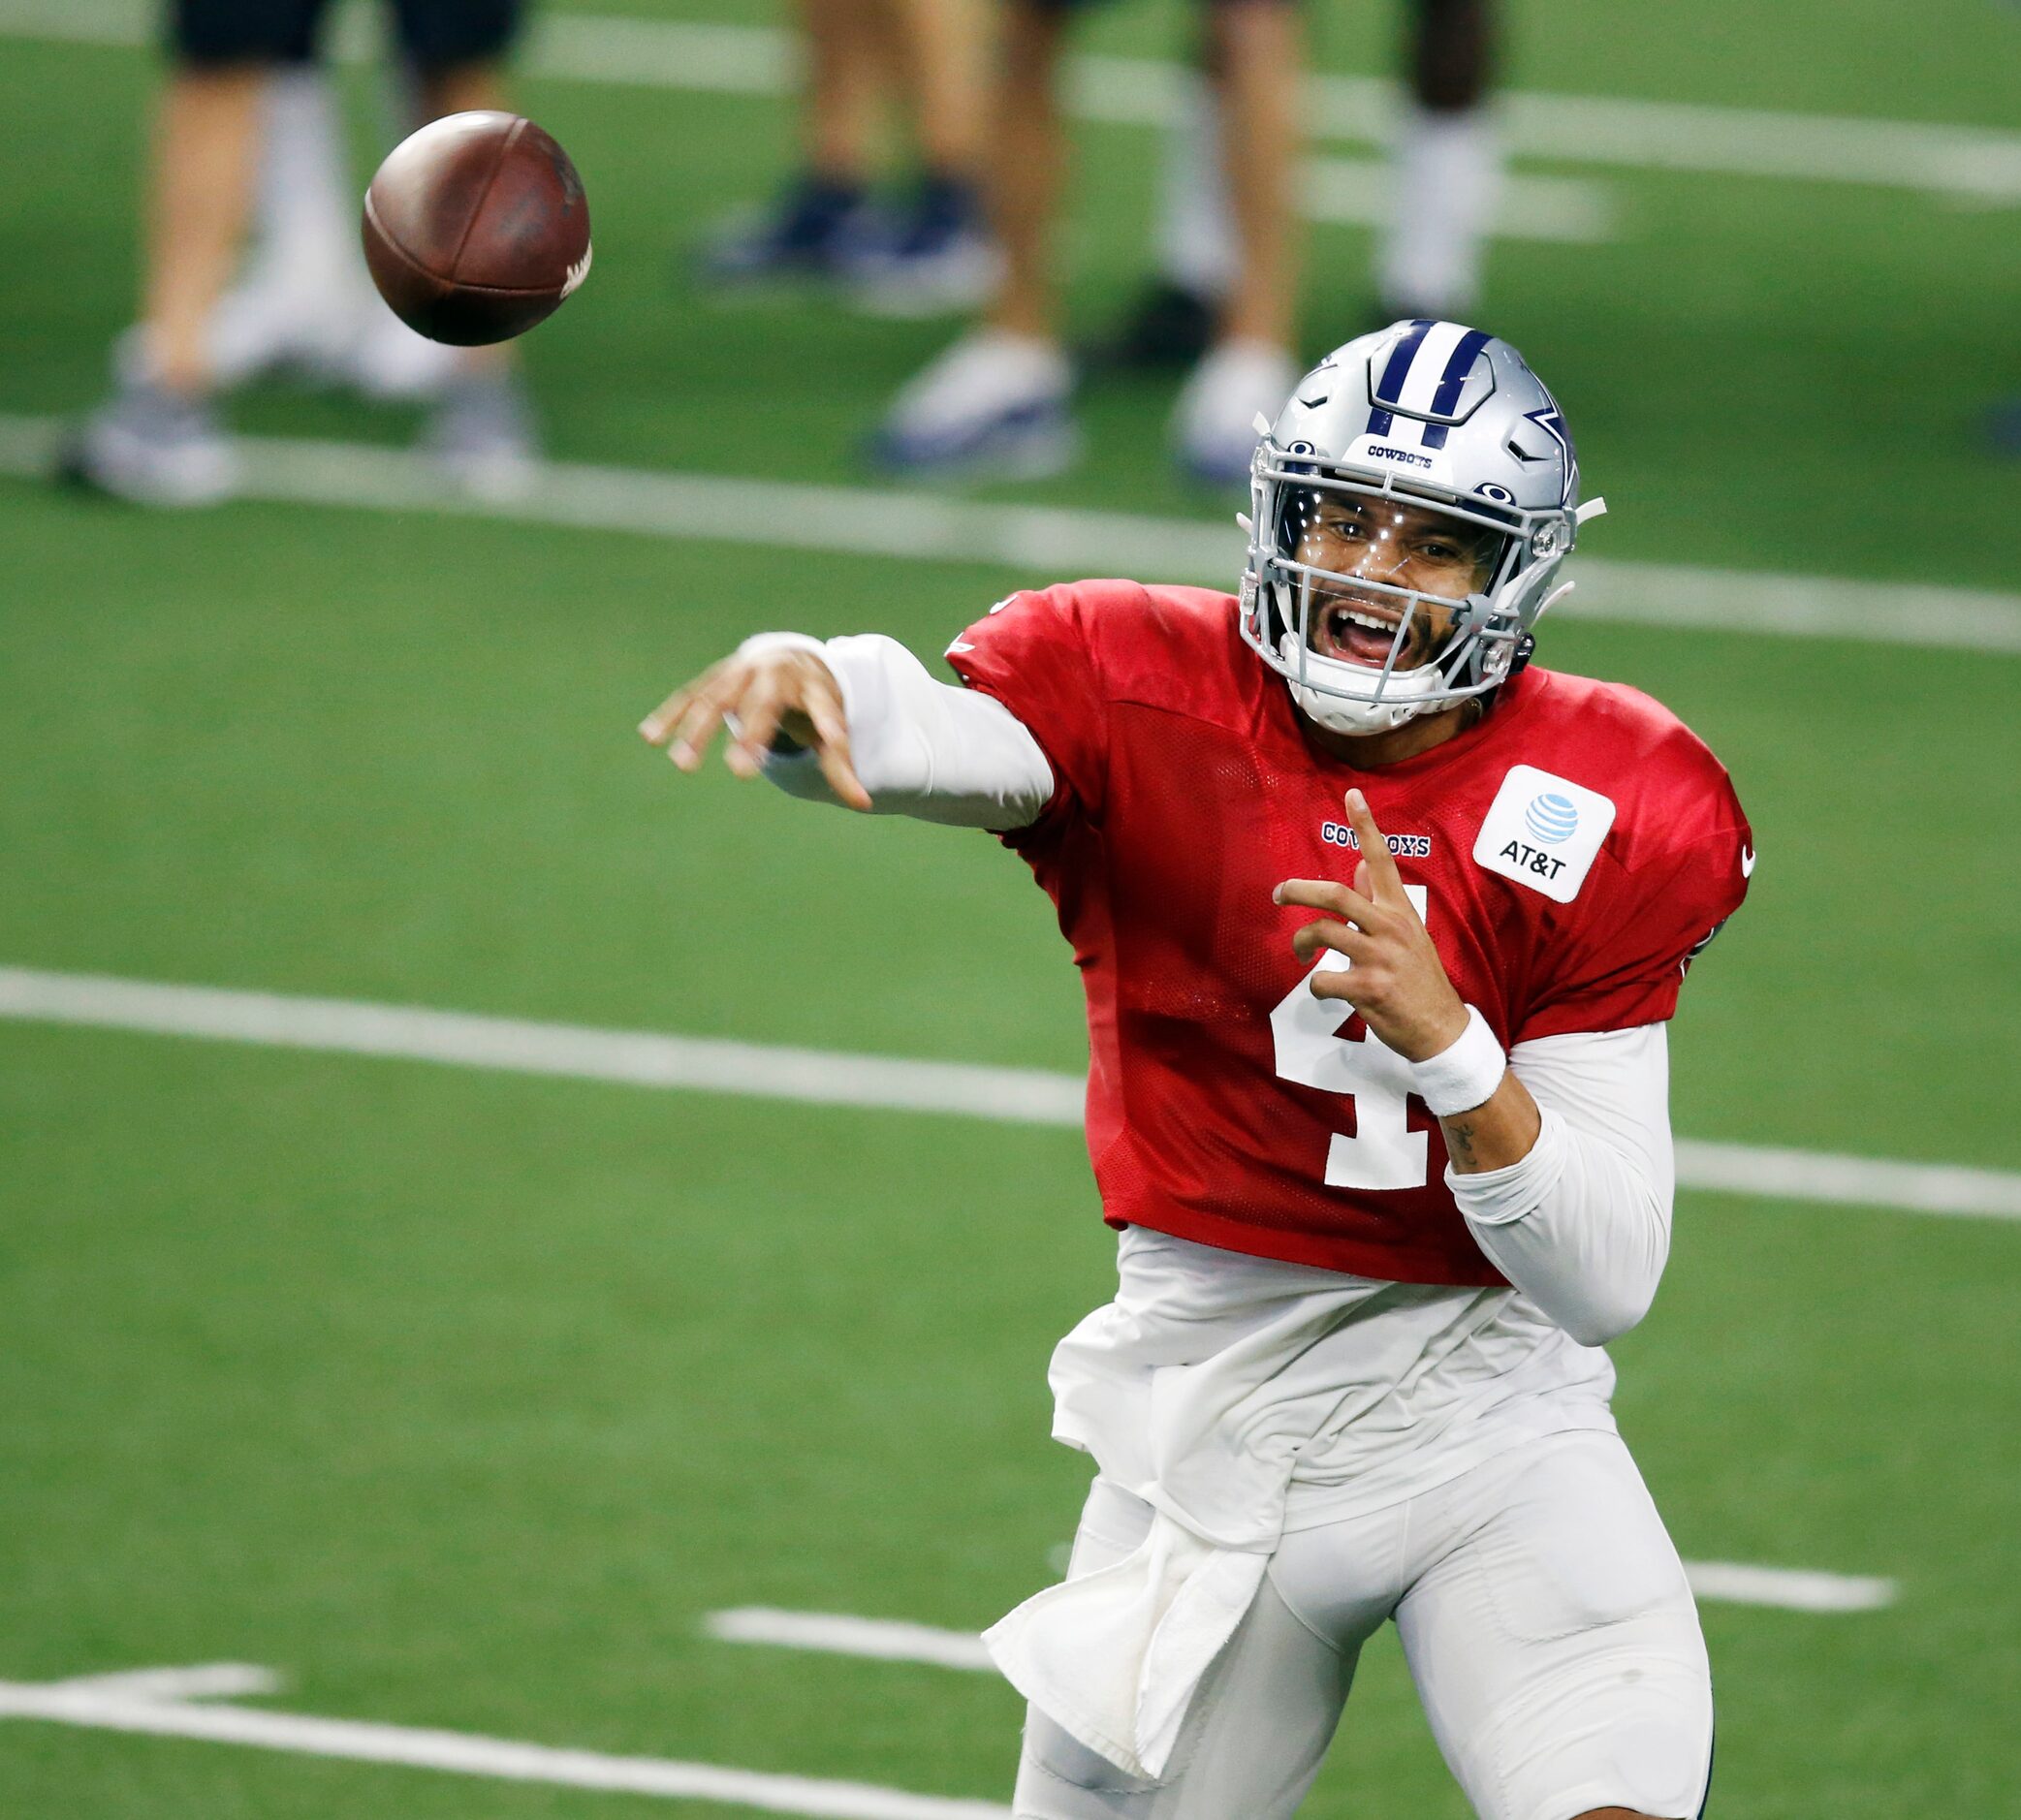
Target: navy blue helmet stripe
1389	389
1454	378
1434	436
1379	422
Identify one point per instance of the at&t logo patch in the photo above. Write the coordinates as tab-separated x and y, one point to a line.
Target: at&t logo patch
1543	832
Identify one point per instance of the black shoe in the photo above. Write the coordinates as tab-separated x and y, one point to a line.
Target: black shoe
1169	329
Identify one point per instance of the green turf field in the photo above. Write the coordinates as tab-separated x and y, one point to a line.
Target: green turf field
460	1398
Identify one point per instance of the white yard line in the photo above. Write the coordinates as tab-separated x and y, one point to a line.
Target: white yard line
1976	164
1028	1096
1355	192
465	1753
1788	1589
1045	543
831	1633
203	1681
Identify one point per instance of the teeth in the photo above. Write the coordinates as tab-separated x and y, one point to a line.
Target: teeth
1370	620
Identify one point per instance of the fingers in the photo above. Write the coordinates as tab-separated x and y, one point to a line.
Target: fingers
698	723
1344	983
832	749
1330	895
658	724
1326	934
1385	883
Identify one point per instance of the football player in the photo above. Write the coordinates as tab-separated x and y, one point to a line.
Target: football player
1380	926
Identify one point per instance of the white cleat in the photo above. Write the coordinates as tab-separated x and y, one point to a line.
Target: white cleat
994	404
1214	423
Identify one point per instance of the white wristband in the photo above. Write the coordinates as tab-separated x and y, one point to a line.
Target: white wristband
1464	1076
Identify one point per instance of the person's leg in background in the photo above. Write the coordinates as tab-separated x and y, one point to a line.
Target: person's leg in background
1258	60
1446	164
997	400
1171	324
157	439
930	250
802	232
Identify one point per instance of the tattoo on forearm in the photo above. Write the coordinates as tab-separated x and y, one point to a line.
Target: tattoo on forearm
1459	1140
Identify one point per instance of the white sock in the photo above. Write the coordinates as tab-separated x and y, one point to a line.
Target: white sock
1196	242
1445	177
305	216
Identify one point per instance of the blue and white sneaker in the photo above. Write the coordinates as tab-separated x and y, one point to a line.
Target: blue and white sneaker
801	235
993	405
927	259
1214	423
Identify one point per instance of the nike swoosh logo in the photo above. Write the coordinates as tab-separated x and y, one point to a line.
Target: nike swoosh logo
1747	862
958	646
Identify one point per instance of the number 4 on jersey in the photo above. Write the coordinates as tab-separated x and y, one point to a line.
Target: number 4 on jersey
1384	1153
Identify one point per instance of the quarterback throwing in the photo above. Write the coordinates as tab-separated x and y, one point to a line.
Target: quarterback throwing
1380	926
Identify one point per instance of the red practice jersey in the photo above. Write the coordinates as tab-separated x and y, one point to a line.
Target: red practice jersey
1570	853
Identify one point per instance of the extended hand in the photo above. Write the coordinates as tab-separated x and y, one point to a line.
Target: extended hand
1397	982
758	695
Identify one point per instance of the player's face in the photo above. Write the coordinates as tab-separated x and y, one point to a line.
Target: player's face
1406	546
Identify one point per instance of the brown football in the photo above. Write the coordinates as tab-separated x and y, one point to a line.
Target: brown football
476	228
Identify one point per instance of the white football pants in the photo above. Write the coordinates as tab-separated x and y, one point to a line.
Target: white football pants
1544	1615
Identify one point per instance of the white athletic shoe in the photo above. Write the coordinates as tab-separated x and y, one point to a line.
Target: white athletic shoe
153	447
994	404
1214	423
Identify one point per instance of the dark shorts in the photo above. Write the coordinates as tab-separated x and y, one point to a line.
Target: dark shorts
433	34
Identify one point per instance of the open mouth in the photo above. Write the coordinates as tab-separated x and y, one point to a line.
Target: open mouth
1357	633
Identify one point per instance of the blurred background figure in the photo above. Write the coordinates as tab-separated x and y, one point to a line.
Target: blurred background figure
999	399
915	252
1446	172
239	69
1446	165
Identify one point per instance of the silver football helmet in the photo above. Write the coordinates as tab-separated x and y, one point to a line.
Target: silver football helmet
1422	424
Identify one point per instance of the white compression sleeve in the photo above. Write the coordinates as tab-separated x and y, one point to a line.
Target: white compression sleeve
921	747
1582	1224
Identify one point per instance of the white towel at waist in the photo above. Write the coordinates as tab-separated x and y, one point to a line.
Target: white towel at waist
1200	1389
1116	1656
